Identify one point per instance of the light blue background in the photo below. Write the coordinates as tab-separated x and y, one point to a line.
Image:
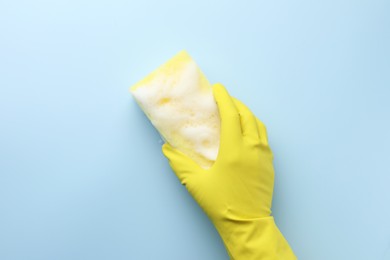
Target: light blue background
82	175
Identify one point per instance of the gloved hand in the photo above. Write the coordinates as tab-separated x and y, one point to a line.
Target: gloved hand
236	192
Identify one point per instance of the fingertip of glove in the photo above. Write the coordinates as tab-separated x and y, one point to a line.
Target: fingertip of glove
218	89
170	152
166	150
221	95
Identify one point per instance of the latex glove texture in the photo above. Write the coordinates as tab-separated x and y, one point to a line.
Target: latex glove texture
236	192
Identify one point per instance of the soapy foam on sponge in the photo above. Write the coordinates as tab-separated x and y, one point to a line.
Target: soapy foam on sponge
178	100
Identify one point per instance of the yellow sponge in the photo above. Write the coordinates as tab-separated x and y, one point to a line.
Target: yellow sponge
178	100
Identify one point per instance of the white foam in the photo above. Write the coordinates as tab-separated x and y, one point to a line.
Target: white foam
183	111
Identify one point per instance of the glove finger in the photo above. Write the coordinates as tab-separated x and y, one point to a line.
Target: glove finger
183	166
262	131
230	119
248	121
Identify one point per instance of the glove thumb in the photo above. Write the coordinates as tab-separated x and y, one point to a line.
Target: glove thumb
183	166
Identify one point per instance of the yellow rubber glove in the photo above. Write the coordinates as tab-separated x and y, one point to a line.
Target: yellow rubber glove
236	192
